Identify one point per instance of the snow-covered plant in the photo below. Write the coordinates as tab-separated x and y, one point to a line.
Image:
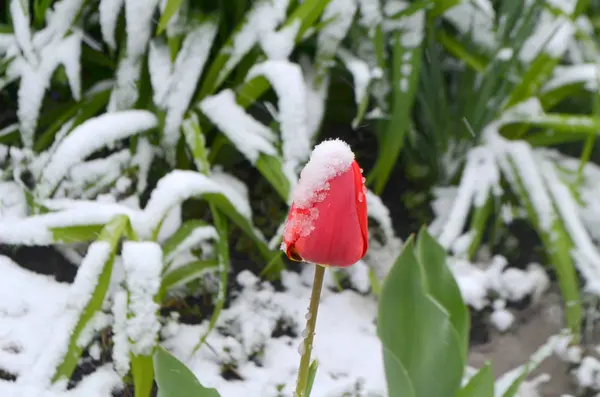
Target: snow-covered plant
122	113
508	95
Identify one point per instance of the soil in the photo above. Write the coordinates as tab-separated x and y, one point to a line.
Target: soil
533	326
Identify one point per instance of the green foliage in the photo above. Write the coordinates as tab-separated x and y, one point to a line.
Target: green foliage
111	234
174	379
432	346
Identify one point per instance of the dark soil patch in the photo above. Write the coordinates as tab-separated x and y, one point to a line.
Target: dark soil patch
41	260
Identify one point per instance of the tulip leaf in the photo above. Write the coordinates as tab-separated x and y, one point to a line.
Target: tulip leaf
419	340
442	286
174	379
480	385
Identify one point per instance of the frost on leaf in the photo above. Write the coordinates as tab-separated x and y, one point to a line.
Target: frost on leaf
263	18
109	14
339	14
36	79
288	82
138	16
174	90
480	178
178	186
248	135
80	294
89	137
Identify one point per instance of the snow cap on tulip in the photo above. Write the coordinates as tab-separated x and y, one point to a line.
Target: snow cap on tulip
327	223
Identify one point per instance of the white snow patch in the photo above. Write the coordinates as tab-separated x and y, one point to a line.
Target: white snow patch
143	263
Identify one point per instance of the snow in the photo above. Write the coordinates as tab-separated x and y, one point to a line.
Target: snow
248	135
586	73
475	20
329	159
552	35
109	13
279	45
501	318
246	327
261	20
187	70
13	203
143	262
361	75
288	82
120	351
479	178
78	296
35	79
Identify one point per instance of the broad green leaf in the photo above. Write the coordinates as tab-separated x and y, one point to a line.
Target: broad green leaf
480	385
184	274
419	341
142	370
174	379
442	286
76	234
170	10
112	233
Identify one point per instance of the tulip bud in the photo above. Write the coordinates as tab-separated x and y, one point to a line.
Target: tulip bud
327	223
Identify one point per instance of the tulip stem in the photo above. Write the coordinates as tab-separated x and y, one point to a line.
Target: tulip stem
309	332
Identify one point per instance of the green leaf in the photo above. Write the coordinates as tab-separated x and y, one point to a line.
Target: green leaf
419	341
223	264
480	385
196	141
555	239
82	111
76	234
112	233
184	231
271	168
442	286
184	274
39	10
514	386
404	88
142	371
170	10
312	372
174	379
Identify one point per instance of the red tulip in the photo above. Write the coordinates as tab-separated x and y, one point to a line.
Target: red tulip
327	223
